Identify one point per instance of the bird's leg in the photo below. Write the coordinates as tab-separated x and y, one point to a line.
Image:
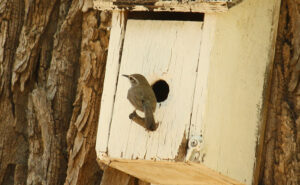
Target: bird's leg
139	120
136	118
133	115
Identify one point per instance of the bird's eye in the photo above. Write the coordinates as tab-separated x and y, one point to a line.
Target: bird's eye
132	80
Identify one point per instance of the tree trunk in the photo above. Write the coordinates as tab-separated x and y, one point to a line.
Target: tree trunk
52	62
282	138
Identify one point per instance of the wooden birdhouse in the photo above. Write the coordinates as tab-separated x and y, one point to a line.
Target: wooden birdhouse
210	73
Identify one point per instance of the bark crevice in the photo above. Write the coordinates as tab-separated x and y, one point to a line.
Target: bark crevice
282	139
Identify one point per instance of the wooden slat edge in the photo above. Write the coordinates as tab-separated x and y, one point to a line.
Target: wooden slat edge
215	177
111	75
266	94
205	7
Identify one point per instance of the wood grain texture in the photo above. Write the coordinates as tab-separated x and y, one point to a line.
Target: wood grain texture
27	50
13	139
112	176
111	72
180	45
241	60
81	135
39	70
200	94
281	161
56	76
169	173
168	47
162	5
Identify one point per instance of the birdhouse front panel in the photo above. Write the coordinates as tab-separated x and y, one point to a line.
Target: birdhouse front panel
159	50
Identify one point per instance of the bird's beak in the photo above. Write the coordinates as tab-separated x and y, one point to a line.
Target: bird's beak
127	76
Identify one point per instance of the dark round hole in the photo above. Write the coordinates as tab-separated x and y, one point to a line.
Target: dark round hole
161	90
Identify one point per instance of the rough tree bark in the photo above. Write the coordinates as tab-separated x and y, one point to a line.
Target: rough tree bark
52	62
282	139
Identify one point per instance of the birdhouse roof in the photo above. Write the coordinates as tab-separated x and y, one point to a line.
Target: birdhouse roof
205	6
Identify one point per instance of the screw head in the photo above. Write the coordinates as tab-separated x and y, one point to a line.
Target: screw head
194	142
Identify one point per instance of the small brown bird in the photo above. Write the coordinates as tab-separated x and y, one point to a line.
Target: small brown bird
142	97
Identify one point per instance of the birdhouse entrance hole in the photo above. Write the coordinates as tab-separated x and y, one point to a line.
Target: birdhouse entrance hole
161	90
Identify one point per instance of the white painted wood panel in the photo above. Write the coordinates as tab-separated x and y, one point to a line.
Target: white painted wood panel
200	96
111	74
166	50
241	59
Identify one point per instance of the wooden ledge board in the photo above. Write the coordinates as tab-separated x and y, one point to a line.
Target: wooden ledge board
167	172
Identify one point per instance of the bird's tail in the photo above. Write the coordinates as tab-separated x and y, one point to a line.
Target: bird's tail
149	118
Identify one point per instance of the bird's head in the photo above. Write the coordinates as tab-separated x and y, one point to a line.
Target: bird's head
136	79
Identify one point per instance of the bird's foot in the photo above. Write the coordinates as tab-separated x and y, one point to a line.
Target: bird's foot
141	121
133	115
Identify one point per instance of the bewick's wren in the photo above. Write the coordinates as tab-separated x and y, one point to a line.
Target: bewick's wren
142	97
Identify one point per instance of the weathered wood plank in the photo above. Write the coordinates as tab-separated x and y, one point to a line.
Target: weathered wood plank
163	5
166	50
111	75
281	164
240	62
112	176
200	96
169	173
